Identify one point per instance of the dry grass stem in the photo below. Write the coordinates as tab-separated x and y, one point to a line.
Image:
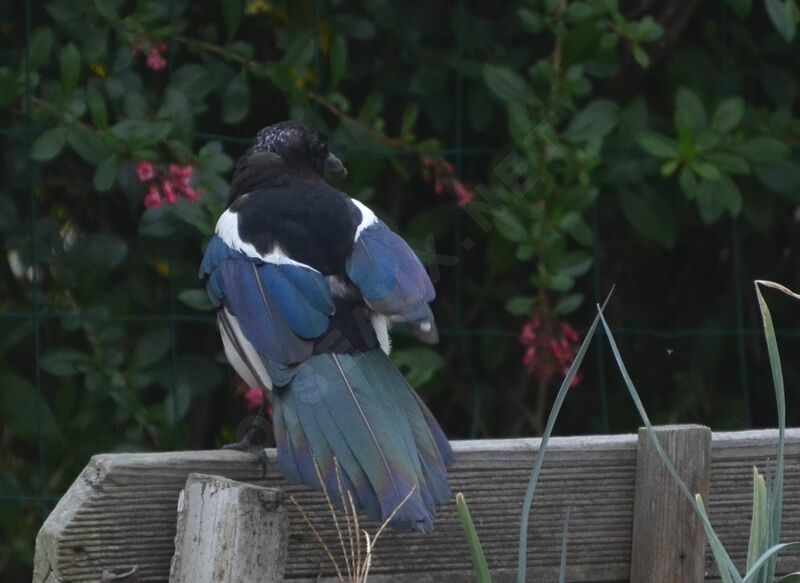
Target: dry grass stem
357	561
334	516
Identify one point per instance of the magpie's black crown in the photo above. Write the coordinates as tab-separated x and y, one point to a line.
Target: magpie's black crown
297	143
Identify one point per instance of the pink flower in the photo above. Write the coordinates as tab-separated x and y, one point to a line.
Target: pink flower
170	193
569	333
145	171
191	194
253	397
153	199
181	175
530	356
155	61
463	194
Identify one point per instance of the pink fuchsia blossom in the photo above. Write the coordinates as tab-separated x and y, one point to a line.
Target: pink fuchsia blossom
253	397
191	194
145	171
464	196
170	192
155	61
153	199
549	350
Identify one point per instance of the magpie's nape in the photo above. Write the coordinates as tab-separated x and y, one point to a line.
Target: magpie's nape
307	283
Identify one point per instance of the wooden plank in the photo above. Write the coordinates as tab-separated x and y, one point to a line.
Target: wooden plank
228	532
121	510
668	538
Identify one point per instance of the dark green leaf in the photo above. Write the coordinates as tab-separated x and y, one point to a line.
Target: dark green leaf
64	362
87	145
740	7
8	87
658	145
506	84
730	163
236	99
764	149
574	225
232	15
574	263
20	397
520	305
150	348
214	159
783	178
193	80
651	215
783	17
157	222
107	9
40	45
728	114
194	376
510	226
197	299
338	59
70	64
49	145
689	110
97	106
688	183
419	364
714	197
641	57
593	122
569	304
560	282
705	170
106	173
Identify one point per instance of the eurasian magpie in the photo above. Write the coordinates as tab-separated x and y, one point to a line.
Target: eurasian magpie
307	282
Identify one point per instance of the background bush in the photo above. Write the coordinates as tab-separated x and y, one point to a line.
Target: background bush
534	153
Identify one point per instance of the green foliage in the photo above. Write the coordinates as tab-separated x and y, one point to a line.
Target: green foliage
582	108
473	542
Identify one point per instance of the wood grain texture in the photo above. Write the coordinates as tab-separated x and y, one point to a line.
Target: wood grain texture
121	511
668	538
228	532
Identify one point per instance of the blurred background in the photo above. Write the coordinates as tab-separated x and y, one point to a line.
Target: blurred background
534	153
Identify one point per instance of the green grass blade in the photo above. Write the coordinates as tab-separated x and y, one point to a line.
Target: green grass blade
537	464
473	542
759	522
776	492
726	565
562	577
790	578
715	549
769	554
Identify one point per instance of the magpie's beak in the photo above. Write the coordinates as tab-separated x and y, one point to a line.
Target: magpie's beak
334	167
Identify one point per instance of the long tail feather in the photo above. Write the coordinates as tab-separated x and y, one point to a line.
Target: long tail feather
359	410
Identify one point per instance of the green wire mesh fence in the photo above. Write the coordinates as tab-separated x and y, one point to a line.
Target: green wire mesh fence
466	338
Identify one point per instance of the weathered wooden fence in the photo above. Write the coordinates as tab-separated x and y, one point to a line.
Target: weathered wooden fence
121	511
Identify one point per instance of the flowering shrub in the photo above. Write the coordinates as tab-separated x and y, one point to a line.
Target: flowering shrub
505	142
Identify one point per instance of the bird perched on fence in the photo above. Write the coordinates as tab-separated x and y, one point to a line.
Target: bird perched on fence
307	282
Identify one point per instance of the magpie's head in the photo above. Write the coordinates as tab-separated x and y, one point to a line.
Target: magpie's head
300	146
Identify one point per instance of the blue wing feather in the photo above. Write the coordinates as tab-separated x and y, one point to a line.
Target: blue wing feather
389	275
280	307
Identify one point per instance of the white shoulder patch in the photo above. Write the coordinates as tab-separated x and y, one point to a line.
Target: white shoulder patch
228	230
367	218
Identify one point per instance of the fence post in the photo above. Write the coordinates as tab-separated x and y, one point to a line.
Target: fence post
668	539
228	532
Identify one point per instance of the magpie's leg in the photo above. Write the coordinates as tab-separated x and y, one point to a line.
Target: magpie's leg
256	437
